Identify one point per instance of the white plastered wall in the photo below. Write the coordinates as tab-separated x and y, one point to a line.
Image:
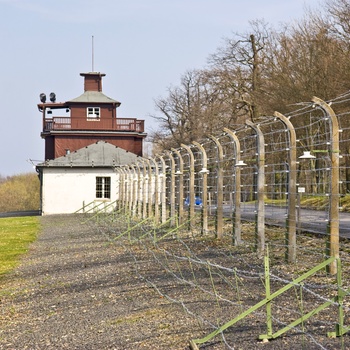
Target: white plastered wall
64	191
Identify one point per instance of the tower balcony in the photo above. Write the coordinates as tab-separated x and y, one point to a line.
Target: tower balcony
115	124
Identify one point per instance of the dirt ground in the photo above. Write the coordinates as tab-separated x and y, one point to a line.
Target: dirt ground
75	289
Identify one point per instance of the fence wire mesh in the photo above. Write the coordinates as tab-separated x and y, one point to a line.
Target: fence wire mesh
213	281
204	215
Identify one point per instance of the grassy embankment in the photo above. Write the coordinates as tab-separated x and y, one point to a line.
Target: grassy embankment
16	234
316	202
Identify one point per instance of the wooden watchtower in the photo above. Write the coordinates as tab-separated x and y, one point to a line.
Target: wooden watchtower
87	119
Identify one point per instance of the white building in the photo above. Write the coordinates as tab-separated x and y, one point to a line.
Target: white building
85	179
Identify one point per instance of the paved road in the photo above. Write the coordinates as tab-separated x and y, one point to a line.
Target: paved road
310	220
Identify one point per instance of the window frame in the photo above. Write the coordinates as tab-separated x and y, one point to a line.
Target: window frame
103	187
93	113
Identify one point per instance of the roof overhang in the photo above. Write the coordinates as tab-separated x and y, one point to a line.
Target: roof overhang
59	105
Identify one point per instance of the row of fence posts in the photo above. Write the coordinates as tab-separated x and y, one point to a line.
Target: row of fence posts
150	188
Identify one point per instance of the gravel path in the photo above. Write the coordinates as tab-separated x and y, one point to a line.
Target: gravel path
73	290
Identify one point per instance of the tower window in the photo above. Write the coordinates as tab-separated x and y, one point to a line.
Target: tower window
103	187
93	113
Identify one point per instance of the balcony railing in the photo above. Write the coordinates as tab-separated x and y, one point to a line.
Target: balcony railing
118	124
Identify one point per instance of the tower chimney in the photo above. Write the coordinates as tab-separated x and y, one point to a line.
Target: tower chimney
93	81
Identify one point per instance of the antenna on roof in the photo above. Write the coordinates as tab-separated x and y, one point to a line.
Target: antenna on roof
92	58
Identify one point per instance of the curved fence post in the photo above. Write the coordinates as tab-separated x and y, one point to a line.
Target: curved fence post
260	188
123	189
130	185
236	214
219	189
292	179
333	221
191	185
149	188
180	174
144	189
117	170
172	188
139	191
162	178
156	190
204	172
134	179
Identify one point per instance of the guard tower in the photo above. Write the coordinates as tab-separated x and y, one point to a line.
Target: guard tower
87	119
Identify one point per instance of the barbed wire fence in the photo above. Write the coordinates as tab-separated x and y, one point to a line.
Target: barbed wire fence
219	226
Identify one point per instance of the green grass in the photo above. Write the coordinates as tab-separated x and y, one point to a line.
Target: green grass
16	234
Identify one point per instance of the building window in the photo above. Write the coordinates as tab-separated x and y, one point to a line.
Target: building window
103	187
93	113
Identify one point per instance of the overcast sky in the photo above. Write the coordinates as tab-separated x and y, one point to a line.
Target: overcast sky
143	47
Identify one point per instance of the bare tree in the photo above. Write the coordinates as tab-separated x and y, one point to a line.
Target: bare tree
178	119
257	73
190	111
240	65
306	60
338	12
